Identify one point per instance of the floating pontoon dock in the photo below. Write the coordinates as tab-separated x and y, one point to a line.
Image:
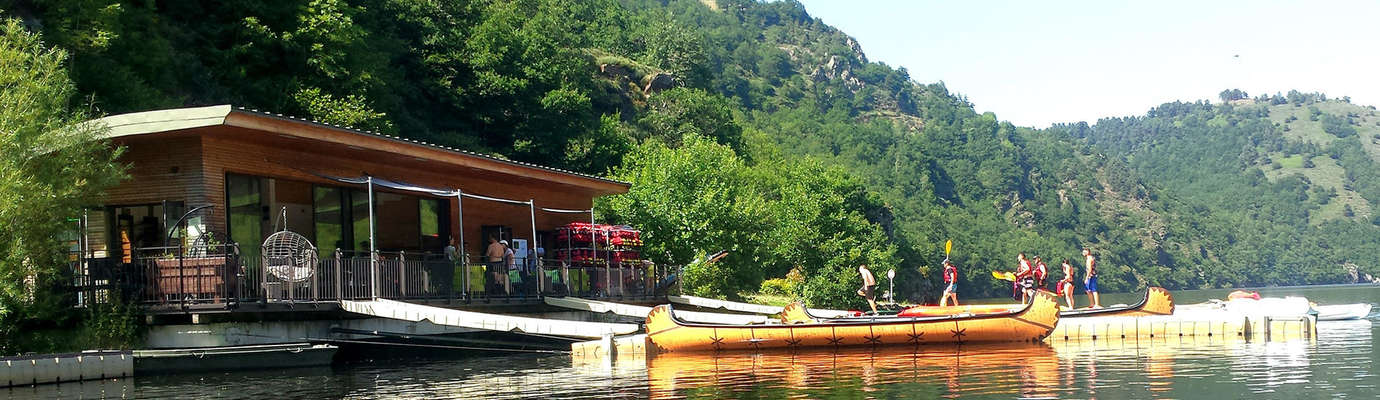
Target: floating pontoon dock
1222	325
71	367
494	322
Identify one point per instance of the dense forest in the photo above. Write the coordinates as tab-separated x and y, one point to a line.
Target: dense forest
753	127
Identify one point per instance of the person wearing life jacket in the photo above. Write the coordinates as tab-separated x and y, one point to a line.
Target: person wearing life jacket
1064	287
1025	278
1090	279
1039	273
951	284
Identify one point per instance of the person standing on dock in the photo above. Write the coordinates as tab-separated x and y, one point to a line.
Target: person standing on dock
951	284
452	252
493	262
510	272
1065	286
1025	279
1090	279
869	288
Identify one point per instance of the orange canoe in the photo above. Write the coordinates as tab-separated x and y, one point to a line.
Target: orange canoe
667	334
1157	301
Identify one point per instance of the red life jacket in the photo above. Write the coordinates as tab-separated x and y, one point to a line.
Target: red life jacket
1040	273
950	274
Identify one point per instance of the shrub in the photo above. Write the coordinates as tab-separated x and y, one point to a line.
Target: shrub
777	287
788	286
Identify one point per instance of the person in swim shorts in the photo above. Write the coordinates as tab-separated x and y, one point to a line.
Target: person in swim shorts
951	287
869	288
1025	277
1090	279
1064	287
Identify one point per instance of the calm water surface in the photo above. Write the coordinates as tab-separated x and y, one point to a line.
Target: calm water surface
1340	363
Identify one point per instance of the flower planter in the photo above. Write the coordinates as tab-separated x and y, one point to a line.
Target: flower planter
198	277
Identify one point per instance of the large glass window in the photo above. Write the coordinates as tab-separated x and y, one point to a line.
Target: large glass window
396	223
329	219
433	225
339	217
245	198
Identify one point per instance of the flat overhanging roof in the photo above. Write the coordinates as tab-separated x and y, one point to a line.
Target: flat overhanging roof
186	120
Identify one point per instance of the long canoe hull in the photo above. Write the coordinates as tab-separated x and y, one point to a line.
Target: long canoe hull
1157	301
667	334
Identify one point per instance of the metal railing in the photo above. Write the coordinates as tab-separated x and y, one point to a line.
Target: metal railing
175	277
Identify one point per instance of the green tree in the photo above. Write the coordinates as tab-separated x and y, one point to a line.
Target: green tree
772	216
690	201
679	113
54	165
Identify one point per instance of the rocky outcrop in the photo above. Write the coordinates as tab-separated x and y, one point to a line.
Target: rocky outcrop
836	69
1014	210
658	82
855	48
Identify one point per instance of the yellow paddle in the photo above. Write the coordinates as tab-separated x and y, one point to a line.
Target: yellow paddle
1004	275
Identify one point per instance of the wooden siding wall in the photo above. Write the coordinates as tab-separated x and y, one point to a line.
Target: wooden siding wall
228	153
161	169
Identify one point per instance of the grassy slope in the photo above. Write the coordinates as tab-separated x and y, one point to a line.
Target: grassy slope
1326	172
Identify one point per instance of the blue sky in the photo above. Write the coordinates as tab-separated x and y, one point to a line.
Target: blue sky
1034	63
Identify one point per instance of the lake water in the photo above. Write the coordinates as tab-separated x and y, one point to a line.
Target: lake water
1340	363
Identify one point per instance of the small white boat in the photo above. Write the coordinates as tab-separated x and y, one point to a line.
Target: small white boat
1343	311
1267	307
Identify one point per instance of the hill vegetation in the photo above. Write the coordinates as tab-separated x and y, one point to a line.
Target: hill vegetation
754	127
1274	190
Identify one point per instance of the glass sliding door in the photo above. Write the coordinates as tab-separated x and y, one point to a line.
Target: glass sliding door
244	196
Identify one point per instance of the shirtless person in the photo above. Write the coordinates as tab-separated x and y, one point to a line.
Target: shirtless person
1065	286
493	257
951	284
1090	279
869	289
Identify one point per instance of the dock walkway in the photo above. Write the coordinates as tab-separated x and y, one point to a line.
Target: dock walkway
495	322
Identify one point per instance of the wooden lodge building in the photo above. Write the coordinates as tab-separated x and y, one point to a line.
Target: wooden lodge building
261	173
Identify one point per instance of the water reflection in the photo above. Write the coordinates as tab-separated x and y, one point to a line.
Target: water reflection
1339	363
1020	369
1155	368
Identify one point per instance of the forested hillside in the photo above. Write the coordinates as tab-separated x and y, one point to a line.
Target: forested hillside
1273	190
754	127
